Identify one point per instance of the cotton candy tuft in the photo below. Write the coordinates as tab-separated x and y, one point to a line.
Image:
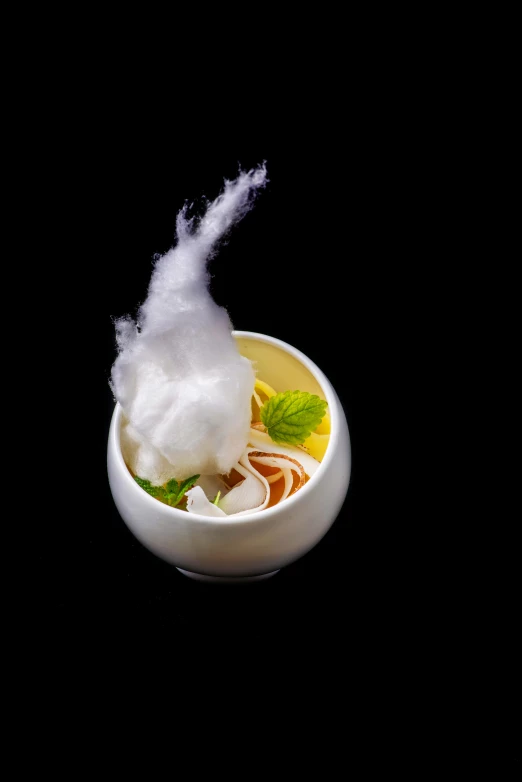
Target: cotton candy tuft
184	388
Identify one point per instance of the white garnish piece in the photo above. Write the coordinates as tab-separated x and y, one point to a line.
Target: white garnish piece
197	502
252	494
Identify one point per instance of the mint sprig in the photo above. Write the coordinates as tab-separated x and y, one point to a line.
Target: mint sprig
170	493
292	416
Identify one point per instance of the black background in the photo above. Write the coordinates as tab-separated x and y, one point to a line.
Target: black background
378	164
337	258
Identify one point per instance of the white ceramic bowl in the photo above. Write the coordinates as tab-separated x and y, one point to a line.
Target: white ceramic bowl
255	545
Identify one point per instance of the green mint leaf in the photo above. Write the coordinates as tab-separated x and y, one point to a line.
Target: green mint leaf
172	487
292	416
171	493
154	491
176	491
187	484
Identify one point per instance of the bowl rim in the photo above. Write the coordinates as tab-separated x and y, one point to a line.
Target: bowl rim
257	516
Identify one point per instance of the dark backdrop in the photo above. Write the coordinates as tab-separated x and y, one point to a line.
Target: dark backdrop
358	227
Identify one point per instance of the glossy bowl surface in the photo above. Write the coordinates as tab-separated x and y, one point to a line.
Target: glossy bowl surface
258	543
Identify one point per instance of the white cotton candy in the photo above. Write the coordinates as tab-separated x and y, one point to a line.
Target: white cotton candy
142	458
183	386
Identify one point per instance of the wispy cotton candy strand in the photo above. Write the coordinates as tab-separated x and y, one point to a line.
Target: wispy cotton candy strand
183	386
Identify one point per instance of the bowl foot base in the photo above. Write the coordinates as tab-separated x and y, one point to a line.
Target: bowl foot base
227	579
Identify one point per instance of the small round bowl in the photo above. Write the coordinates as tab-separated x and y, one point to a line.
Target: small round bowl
255	545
